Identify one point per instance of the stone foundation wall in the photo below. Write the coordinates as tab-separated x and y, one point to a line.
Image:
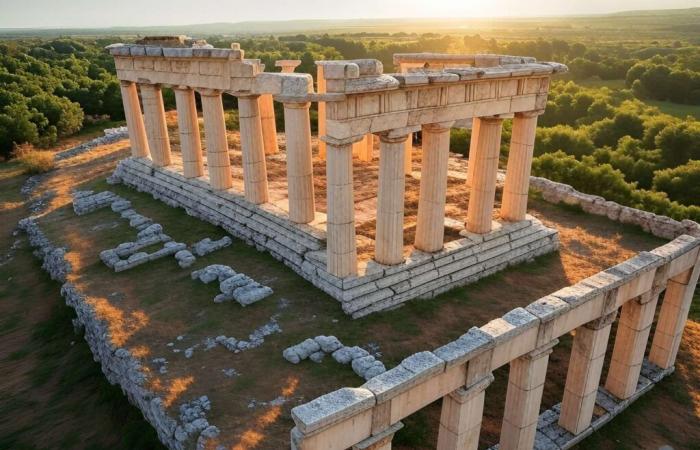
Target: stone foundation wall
302	248
117	363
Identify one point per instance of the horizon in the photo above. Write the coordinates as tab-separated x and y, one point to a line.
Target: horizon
85	14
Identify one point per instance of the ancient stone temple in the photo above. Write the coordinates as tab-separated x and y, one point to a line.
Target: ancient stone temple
319	235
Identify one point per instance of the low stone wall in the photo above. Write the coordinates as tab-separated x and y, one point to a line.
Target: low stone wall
660	226
302	247
191	429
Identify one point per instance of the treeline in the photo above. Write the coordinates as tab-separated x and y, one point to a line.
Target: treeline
49	88
607	143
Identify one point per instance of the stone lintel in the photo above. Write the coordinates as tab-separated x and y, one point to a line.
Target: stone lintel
469	345
332	408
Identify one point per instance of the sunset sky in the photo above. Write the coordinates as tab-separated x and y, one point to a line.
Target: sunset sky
102	13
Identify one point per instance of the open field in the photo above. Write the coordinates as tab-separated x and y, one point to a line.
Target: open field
150	306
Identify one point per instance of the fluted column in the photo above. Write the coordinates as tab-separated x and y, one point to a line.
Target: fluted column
341	245
267	121
321	89
672	318
525	387
254	167
134	120
299	162
188	125
408	158
630	344
522	144
484	163
218	162
156	127
583	376
390	201
430	228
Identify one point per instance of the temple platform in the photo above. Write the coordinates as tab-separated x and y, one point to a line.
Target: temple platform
465	257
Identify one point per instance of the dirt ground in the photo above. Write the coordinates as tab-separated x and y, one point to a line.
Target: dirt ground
149	307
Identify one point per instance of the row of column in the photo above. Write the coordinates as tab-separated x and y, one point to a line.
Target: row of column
394	153
148	136
462	410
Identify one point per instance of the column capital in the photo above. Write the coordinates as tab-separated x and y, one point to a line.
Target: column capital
466	393
529	114
341	142
126	83
542	351
495	119
392	139
209	92
439	126
247	95
178	87
379	440
602	322
296	104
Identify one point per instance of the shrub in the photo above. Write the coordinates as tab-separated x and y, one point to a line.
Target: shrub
34	161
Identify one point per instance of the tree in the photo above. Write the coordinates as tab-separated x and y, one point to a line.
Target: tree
679	143
681	183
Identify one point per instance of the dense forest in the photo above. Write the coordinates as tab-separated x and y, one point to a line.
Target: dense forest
615	125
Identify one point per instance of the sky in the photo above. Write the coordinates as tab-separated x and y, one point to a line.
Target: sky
105	13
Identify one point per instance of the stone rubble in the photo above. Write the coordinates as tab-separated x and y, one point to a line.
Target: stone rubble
111	135
206	245
233	286
191	429
255	339
127	255
362	363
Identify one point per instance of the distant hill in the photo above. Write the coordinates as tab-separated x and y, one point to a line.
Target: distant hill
615	25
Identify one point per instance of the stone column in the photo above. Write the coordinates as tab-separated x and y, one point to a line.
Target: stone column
408	159
267	121
430	228
341	245
156	128
134	120
299	162
254	167
188	124
218	162
583	376
630	344
672	318
390	201
321	89
522	144
484	163
463	409
525	386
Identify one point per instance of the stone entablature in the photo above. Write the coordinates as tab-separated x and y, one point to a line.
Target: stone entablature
460	371
204	68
